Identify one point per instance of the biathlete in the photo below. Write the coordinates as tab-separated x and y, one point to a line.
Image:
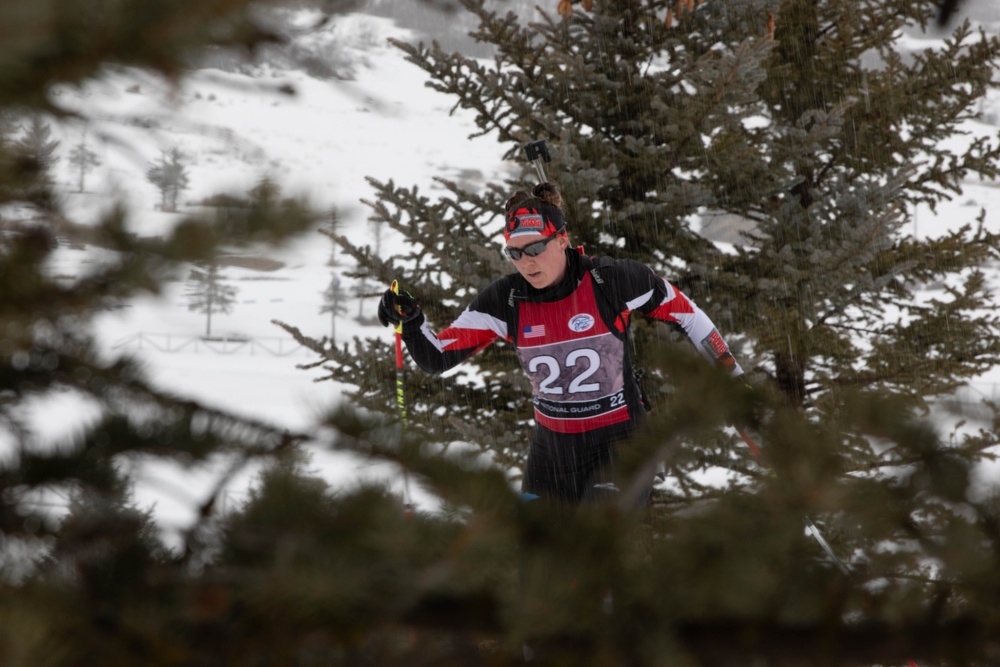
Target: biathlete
567	315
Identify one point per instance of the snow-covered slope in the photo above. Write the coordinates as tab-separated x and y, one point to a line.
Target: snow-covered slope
316	138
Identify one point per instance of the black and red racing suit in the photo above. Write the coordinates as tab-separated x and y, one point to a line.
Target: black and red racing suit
572	341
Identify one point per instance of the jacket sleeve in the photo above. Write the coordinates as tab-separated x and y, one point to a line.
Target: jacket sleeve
642	290
472	331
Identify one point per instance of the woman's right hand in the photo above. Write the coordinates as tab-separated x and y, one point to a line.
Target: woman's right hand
395	309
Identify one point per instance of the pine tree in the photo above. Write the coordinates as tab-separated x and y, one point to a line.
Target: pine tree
334	226
778	113
106	545
109	594
26	155
207	293
37	145
9	125
333	303
10	174
170	176
84	160
326	565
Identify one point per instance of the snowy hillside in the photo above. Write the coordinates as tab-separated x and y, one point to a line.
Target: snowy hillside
318	138
320	141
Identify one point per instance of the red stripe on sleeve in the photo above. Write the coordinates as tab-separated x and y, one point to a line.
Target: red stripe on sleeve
456	338
668	310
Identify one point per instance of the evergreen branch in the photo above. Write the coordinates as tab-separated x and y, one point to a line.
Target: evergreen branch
193	535
320	347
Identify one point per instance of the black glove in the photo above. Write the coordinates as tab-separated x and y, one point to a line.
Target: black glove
396	309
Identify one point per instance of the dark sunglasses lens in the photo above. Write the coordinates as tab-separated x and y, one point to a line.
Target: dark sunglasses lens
535	249
531	250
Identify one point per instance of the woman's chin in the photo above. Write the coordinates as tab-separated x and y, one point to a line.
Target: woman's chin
538	280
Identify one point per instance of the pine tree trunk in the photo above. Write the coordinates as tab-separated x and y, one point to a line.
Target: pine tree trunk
208	310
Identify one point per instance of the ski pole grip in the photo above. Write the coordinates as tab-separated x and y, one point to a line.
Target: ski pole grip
398	329
537	153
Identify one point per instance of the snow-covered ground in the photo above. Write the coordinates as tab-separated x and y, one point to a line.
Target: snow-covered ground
320	141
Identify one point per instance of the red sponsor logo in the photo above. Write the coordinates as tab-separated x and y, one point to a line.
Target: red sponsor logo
526	222
715	343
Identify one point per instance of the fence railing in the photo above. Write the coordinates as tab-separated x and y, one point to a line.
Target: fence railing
275	346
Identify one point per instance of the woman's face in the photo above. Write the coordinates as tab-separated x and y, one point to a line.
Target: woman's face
545	269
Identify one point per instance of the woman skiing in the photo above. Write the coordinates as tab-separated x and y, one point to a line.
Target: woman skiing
567	315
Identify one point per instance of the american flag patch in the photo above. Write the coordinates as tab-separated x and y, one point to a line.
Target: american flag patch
535	331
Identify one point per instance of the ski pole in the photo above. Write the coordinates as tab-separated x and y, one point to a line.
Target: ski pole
810	526
538	154
401	402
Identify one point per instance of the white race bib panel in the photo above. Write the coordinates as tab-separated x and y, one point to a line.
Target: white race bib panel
575	363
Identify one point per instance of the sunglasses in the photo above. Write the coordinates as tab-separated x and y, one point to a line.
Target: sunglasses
531	250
